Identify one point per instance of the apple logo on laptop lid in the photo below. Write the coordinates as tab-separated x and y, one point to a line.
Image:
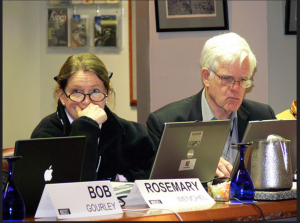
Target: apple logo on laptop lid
48	174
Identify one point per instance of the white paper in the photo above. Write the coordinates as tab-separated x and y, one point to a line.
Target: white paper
74	200
45	205
168	193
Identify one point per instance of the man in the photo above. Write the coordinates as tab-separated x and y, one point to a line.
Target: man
227	66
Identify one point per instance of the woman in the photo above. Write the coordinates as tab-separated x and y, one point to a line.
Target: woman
115	148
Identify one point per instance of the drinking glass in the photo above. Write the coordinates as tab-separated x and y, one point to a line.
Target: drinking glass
241	186
13	204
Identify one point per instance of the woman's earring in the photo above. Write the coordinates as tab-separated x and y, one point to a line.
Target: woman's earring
105	102
64	104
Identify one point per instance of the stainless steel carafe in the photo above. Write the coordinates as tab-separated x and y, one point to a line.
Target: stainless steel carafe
268	162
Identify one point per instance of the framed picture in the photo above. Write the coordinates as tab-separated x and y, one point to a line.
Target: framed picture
291	17
191	15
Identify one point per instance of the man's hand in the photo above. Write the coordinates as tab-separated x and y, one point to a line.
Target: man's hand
224	168
94	112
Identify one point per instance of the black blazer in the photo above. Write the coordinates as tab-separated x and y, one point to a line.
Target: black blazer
189	109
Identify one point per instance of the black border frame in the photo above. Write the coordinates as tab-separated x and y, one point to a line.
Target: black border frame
287	18
225	27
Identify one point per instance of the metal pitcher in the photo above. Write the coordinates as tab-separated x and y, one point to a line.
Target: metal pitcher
268	161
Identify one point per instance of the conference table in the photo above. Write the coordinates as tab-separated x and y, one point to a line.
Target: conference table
220	211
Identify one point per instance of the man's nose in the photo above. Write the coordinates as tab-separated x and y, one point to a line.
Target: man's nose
236	85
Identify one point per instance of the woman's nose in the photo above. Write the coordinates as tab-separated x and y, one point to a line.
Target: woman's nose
87	99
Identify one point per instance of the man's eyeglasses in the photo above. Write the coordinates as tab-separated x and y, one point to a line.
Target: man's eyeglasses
228	80
79	97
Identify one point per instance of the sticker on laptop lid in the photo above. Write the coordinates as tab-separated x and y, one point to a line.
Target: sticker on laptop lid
195	139
187	164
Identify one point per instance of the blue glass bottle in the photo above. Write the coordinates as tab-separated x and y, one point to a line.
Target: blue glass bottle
241	186
13	204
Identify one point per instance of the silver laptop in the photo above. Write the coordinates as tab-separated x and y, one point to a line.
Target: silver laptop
190	150
286	128
46	160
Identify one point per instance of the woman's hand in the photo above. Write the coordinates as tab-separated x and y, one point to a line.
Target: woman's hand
224	168
94	112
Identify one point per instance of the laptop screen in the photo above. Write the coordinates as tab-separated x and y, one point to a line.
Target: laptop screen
285	128
46	160
190	150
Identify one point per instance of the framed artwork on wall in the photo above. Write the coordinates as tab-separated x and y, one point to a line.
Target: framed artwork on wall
291	17
191	15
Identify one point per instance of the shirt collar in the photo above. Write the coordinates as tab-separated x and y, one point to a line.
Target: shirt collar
71	119
207	113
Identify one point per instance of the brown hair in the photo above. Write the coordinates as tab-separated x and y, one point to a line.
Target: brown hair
84	62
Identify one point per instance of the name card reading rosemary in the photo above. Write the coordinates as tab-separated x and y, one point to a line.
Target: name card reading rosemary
80	199
168	193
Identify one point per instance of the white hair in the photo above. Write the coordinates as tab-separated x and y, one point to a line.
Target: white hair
225	49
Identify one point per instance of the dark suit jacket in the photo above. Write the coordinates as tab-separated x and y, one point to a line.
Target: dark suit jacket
189	109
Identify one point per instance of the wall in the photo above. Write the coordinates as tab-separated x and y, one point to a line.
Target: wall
142	59
29	67
21	71
174	56
282	57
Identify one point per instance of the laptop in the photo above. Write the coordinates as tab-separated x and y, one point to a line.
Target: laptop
190	150
46	160
261	129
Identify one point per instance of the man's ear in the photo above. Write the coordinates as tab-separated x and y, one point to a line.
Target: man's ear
205	76
62	96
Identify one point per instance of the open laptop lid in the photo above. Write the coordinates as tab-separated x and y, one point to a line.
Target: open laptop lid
261	129
46	160
190	150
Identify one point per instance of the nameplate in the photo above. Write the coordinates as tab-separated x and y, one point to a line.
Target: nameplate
168	193
80	199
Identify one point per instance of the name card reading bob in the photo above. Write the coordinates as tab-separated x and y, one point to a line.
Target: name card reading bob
80	199
168	193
